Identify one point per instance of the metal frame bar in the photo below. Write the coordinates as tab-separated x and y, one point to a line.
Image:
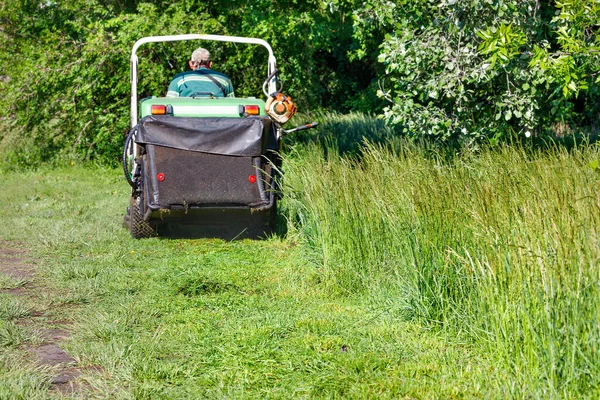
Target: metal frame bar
173	38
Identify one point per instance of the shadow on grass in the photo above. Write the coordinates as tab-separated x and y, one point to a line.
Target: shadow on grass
225	224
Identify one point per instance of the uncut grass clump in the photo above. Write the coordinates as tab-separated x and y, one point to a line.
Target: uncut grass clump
501	246
342	133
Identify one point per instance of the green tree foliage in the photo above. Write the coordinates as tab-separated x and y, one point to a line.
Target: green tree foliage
471	68
65	64
445	69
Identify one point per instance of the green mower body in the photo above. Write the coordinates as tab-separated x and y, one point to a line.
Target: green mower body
202	166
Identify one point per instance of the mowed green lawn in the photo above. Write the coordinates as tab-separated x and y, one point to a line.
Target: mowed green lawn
175	318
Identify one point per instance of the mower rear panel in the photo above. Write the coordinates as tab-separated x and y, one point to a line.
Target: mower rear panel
208	172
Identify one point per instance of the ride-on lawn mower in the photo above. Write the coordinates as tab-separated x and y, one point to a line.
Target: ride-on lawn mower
205	166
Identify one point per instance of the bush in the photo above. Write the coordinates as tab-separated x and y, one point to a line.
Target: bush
66	88
487	68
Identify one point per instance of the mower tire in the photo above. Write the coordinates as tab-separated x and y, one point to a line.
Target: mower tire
138	227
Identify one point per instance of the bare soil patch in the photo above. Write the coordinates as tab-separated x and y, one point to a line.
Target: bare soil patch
14	263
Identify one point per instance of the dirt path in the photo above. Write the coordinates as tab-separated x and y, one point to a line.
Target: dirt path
43	320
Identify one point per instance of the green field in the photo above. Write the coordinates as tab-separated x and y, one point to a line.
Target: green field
403	274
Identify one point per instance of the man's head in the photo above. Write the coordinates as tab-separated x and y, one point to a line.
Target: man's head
200	57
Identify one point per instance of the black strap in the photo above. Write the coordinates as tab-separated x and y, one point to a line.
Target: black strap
212	78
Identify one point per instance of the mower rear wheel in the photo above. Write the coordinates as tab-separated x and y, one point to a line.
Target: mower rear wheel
138	228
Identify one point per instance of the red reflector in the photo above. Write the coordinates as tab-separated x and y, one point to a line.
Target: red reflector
252	110
157	109
160	177
252	179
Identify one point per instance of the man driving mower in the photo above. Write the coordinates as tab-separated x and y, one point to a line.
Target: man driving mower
201	81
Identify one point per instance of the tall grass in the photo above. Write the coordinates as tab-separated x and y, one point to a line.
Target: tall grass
342	134
502	246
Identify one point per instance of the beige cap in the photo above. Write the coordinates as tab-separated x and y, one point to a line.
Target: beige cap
200	56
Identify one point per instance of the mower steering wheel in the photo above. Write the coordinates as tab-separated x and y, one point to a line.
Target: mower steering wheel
202	94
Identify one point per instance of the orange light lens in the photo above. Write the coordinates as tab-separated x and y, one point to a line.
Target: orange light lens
158	109
252	110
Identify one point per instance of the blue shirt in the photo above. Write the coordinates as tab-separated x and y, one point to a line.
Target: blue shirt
187	83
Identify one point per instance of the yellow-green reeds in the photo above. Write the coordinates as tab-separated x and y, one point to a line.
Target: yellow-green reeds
502	245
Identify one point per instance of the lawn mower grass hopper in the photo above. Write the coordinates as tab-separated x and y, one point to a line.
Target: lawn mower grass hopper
205	166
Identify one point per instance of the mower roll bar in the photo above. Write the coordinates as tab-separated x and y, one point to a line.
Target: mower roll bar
174	38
